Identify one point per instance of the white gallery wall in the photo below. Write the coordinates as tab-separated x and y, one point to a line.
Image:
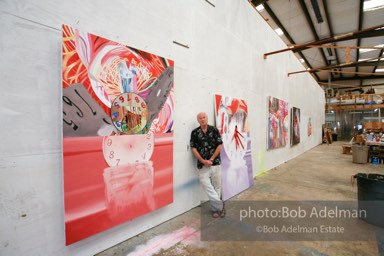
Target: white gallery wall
225	56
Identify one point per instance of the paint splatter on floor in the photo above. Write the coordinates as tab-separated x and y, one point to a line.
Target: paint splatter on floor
185	235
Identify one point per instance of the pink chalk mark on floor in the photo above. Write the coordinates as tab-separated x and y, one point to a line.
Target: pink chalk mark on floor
185	234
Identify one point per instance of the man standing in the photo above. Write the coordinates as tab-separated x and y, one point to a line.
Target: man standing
206	146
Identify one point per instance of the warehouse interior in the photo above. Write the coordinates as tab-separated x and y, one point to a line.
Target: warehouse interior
299	83
343	52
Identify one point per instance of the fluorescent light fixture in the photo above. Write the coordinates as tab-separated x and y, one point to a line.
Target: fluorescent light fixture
367	60
379	70
279	31
373	5
260	8
369	50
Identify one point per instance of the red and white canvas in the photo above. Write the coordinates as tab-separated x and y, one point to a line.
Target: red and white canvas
236	161
117	133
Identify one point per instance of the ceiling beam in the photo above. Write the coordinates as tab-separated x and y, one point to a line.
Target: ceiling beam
335	71
378	62
380	57
368	32
344	47
347	50
365	33
366	64
360	26
280	25
312	28
352	71
330	27
349	86
361	78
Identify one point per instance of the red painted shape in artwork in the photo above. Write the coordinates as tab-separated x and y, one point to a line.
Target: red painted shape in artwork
217	102
98	197
234	106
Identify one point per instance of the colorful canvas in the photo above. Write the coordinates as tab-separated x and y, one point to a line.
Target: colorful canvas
277	123
117	133
232	122
295	126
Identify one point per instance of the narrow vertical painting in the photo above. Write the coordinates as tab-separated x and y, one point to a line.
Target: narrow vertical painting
295	126
117	133
232	121
309	127
277	123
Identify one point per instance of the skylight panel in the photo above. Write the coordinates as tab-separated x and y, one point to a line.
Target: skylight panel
260	8
373	5
279	31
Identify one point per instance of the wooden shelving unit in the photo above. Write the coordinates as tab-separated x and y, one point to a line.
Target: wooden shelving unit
355	101
351	103
375	127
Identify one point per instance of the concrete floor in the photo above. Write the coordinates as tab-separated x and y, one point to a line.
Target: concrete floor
323	173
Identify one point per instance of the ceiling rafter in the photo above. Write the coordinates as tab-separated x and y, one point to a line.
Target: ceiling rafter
369	32
360	26
280	25
380	57
330	27
359	78
370	62
312	28
366	27
349	86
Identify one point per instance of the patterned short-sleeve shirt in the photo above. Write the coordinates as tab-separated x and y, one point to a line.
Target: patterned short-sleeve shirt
206	143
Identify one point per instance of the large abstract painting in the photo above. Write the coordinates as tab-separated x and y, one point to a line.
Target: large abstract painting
277	123
295	126
117	133
232	122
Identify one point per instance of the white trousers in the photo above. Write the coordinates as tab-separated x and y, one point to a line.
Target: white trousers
210	180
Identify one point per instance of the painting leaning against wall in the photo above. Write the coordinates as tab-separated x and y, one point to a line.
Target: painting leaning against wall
295	126
236	162
117	133
277	123
309	126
